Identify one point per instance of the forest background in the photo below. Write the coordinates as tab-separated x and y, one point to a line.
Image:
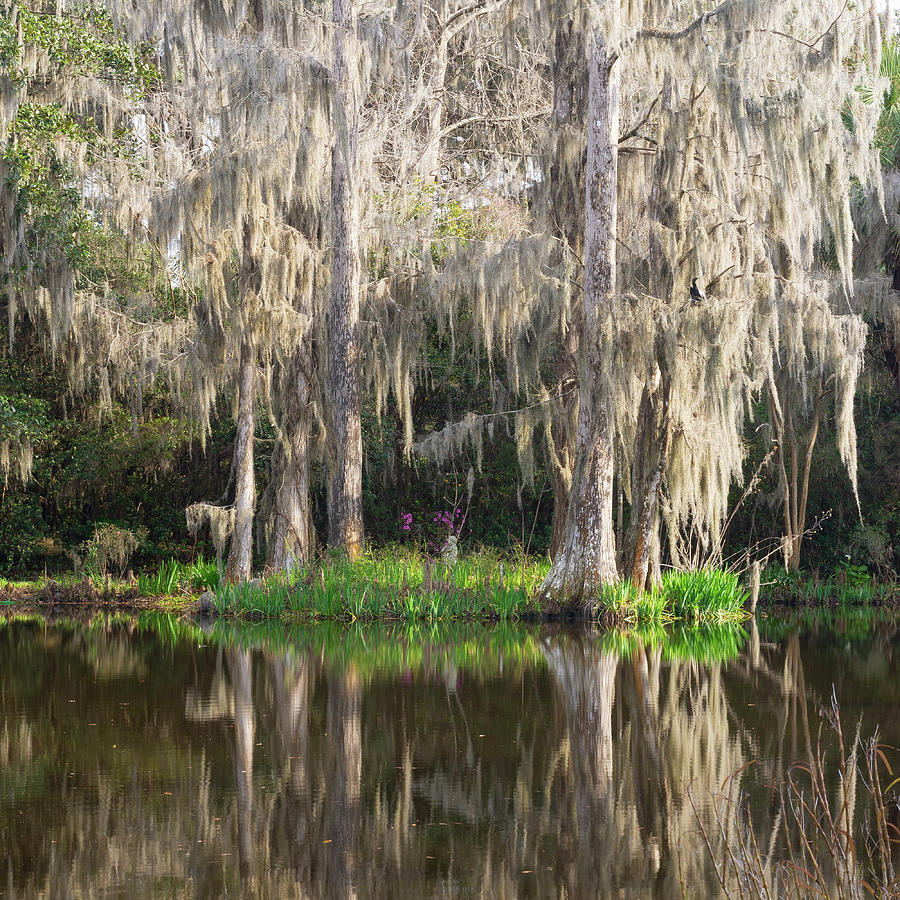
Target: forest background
91	436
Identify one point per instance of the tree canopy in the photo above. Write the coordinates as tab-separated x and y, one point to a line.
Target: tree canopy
302	211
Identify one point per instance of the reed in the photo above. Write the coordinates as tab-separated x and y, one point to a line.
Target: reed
833	837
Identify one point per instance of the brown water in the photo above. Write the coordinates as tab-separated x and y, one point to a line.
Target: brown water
145	758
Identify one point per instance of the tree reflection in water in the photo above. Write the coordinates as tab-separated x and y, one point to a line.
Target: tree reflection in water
379	764
633	769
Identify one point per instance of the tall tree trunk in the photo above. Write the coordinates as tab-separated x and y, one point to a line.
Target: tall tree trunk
651	450
430	161
890	344
566	220
640	552
562	486
240	552
890	339
345	525
562	430
588	557
291	530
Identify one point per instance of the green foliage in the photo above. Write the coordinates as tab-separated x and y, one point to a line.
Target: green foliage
704	595
83	41
23	425
399	585
22	529
851	585
887	138
94	467
23	417
451	223
172	577
203	574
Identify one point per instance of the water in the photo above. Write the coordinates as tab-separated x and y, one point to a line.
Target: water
146	758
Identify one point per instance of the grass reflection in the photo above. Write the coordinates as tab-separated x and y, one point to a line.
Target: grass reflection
849	622
714	642
388	648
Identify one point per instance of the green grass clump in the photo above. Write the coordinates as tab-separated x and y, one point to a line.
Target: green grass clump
173	576
406	587
625	603
163	584
399	586
203	574
704	594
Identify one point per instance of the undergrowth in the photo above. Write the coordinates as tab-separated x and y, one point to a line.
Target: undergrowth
174	577
703	595
400	584
405	586
850	585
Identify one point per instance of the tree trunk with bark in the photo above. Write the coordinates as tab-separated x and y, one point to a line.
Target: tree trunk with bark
648	468
587	558
291	536
429	163
652	441
566	216
794	484
240	551
562	430
345	525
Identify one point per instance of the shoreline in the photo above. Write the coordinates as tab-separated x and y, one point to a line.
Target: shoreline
86	597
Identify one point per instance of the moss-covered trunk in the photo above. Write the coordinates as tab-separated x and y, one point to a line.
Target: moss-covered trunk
651	450
565	214
291	538
345	525
587	558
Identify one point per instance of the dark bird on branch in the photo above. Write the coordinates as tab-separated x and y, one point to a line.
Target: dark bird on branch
697	295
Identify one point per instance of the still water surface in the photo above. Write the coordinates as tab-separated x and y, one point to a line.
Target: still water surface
148	758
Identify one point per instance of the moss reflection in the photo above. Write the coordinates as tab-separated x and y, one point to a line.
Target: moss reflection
154	756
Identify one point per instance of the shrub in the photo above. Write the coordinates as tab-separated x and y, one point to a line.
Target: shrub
109	545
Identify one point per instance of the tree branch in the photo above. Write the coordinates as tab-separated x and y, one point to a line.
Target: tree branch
688	29
632	132
536	114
